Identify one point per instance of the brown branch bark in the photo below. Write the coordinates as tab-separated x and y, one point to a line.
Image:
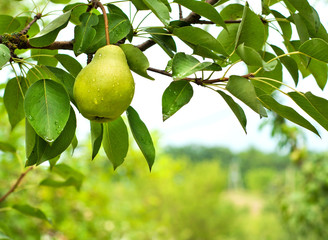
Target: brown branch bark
145	45
16	184
198	81
64	45
36	18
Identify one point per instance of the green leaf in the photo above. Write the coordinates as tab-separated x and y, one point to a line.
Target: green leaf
139	4
314	106
137	61
44	57
287	112
266	84
77	9
30	211
141	135
288	62
36	73
30	140
244	90
163	39
175	96
4	55
116	141
70	181
306	11
84	33
301	28
118	26
62	142
47	108
96	137
113	9
71	176
159	9
199	37
227	38
69	63
13	99
232	12
49	33
8	24
319	71
249	55
6	147
74	144
237	110
203	9
213	67
62	77
184	65
284	25
315	48
251	30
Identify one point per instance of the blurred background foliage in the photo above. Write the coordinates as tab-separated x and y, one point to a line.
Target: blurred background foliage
193	192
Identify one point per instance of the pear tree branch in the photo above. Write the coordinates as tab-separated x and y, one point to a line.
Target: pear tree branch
36	18
198	81
16	184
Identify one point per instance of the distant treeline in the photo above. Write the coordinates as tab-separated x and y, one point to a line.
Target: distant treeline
248	159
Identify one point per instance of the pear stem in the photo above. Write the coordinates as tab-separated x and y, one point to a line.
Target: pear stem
99	4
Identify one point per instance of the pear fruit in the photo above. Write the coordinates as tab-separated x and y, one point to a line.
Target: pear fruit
104	89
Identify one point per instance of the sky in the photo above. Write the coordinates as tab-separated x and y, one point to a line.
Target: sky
206	119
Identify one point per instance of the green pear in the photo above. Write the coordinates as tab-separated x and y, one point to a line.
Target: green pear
104	89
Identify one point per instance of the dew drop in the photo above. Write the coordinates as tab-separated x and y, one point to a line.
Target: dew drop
98	89
48	139
99	55
95	100
30	118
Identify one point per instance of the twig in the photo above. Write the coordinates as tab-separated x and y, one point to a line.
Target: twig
145	45
18	181
36	17
64	45
198	81
180	12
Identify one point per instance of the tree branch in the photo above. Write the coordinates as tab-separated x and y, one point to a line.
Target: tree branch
18	181
198	81
36	17
64	45
145	45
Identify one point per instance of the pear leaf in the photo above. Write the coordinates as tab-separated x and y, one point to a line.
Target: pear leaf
137	61
47	108
175	96
49	33
116	141
84	33
4	55
96	137
141	135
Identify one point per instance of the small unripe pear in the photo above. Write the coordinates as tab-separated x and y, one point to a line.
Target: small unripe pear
104	89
